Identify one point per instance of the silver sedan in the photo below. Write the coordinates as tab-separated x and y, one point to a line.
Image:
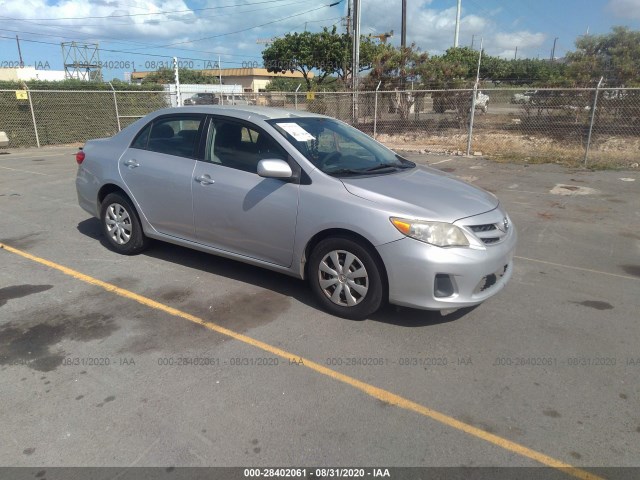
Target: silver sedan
301	194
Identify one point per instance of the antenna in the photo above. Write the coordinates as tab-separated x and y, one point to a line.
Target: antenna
19	52
81	61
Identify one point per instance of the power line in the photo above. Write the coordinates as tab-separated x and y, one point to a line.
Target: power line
154	22
249	28
122	42
316	21
150	13
144	44
120	51
114	51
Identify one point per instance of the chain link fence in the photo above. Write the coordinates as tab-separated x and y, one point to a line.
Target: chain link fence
59	117
597	127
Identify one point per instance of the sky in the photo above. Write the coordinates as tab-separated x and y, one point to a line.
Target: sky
146	34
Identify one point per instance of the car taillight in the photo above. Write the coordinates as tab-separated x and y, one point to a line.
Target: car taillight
80	156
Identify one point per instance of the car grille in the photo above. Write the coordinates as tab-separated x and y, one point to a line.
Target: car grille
489	233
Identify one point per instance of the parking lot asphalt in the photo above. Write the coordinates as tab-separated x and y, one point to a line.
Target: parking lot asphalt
103	363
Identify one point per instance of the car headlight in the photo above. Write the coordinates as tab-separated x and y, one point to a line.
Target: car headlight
440	234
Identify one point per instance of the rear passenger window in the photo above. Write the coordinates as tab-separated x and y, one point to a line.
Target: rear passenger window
175	136
142	138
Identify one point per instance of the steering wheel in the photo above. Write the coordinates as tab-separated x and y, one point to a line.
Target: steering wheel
330	159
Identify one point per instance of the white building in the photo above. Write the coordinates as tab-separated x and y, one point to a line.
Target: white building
31	73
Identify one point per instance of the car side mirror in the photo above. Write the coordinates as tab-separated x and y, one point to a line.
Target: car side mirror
274	168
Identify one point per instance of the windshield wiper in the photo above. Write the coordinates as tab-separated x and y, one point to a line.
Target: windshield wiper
377	168
344	171
405	163
382	166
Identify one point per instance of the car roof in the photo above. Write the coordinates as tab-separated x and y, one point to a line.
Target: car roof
245	112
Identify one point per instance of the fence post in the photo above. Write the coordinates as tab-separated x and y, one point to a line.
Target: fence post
177	80
471	117
375	111
473	100
115	103
296	95
593	116
33	116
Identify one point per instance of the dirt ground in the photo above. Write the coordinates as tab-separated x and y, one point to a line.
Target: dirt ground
613	152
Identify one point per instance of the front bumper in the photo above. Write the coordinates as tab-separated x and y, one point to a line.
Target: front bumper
474	274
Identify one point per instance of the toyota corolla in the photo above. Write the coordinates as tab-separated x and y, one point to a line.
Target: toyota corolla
301	194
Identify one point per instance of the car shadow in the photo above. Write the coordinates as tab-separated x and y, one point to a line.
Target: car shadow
269	280
412	317
91	228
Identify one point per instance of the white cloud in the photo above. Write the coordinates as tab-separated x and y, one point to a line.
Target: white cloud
522	39
628	9
431	29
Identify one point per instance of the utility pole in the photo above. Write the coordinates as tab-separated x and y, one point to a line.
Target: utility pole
553	50
403	35
19	52
457	34
473	38
515	55
356	43
356	56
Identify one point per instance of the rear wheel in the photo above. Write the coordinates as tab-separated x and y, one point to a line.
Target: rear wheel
121	225
346	278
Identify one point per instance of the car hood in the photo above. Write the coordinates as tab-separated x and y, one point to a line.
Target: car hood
424	193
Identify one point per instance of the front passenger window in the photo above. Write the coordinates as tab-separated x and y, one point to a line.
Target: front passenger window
237	146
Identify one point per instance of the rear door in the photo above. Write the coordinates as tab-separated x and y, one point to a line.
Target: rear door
158	170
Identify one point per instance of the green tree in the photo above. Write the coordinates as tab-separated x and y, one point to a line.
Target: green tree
304	52
457	68
167	75
369	50
284	84
615	56
535	72
327	54
397	68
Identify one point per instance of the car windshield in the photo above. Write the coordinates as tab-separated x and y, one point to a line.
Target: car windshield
338	149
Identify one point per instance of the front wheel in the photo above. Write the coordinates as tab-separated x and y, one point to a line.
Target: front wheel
121	225
346	278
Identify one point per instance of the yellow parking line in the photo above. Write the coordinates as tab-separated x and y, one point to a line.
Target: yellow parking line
589	270
375	392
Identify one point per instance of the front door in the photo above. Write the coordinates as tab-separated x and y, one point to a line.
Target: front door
234	208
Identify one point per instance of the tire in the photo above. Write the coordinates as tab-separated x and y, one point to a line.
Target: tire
121	225
357	296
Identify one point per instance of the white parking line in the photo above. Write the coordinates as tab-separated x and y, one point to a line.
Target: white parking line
441	161
627	277
9	156
27	171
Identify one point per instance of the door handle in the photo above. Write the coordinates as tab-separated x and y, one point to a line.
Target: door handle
205	180
132	163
